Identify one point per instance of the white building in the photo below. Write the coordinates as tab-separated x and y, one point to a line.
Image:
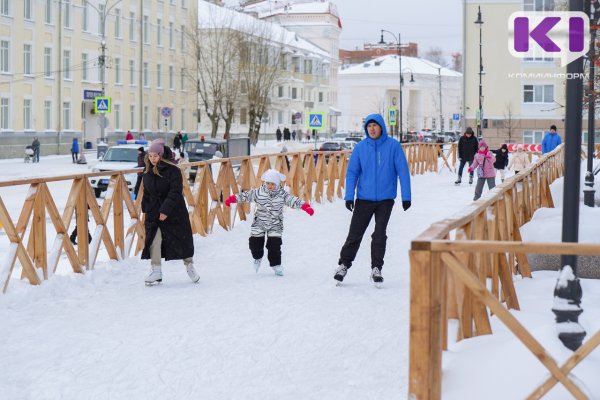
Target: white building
374	86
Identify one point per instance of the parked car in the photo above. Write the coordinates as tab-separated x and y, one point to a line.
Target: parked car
117	158
340	135
355	139
336	146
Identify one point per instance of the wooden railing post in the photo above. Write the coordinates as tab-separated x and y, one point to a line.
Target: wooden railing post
426	331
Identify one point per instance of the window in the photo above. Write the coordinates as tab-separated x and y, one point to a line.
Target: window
172	2
5	7
27	114
85	18
67	64
538	5
183	4
84	67
118	23
66	115
145	117
67	13
531	137
295	64
101	20
117	111
132	116
182	78
27	59
243	116
145	30
4	56
294	93
131	72
132	26
171	36
159	32
48	11
320	97
146	81
171	78
48	62
183	119
280	117
118	71
308	66
182	37
538	93
27	9
4	113
47	114
158	76
280	91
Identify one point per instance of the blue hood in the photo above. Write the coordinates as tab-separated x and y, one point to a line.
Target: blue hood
380	121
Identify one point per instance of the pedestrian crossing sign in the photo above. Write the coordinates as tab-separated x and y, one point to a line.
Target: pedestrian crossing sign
392	116
316	120
101	105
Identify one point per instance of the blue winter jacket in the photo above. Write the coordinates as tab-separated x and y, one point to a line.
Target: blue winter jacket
375	166
75	146
550	142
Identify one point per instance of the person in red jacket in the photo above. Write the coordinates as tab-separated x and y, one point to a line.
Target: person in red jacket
129	136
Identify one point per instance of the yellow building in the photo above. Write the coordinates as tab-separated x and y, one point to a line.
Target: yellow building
51	68
522	97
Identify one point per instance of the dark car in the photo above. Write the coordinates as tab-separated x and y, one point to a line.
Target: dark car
353	139
206	149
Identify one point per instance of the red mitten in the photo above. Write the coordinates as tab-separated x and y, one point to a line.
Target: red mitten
488	156
230	199
308	209
471	169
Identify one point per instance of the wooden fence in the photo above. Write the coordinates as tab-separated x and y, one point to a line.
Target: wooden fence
462	268
313	176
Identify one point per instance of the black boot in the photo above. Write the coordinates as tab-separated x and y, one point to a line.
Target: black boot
457	182
470	179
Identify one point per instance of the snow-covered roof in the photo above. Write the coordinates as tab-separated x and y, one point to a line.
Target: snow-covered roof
274	7
210	15
389	64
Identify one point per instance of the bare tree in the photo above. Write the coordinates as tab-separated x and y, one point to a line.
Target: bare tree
457	59
436	55
260	50
510	123
231	81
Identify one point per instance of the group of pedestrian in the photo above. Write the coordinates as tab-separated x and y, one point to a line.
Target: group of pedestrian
488	162
286	135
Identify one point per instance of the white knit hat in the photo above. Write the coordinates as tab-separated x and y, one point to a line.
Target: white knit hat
273	176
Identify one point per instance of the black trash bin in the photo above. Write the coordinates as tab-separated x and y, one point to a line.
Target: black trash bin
88	145
101	150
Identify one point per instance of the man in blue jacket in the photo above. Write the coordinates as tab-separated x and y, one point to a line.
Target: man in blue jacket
375	166
551	140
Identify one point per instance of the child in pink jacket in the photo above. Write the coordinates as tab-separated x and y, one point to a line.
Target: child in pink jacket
484	162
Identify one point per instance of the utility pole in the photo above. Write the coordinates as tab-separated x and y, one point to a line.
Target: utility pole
102	63
588	191
59	78
480	109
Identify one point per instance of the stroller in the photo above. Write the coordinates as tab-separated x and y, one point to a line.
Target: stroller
29	154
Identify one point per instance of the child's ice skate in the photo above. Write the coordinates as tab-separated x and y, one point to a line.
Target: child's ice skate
278	269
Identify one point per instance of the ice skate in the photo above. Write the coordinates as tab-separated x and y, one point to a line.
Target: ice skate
340	274
458	181
191	271
470	180
155	276
376	277
278	269
256	264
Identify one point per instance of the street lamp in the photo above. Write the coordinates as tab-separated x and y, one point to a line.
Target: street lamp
480	109
397	39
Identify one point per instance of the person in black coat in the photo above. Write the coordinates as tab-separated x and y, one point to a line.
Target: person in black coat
467	148
501	160
278	134
167	223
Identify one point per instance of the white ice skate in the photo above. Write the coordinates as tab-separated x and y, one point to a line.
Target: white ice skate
256	264
376	277
155	276
191	271
278	269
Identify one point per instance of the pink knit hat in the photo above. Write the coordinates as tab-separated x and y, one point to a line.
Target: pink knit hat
157	146
482	143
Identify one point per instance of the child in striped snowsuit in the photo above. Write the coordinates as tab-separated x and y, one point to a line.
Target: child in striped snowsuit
270	199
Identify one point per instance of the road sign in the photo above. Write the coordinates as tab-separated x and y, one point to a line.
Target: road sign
316	120
166	112
392	116
456	117
101	104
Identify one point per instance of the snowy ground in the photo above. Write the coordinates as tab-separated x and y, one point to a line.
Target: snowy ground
241	335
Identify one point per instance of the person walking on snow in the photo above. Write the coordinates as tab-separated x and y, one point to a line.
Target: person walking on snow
375	166
167	223
519	160
501	160
484	162
467	147
270	199
75	150
129	136
35	145
551	140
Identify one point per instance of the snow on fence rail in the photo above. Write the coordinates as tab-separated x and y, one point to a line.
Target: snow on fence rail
452	263
313	176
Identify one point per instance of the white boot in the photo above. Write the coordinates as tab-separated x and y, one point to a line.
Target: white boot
256	264
278	269
155	276
189	266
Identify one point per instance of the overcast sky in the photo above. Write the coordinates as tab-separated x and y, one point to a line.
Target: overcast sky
432	23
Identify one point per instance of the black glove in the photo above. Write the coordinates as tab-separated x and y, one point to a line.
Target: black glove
406	204
350	205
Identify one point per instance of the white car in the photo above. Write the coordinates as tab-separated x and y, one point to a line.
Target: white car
117	158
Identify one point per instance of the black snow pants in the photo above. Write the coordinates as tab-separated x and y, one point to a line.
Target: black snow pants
257	244
361	216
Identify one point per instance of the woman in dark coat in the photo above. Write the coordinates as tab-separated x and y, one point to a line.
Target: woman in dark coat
167	224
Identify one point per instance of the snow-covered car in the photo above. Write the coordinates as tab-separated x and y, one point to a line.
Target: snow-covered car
117	158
